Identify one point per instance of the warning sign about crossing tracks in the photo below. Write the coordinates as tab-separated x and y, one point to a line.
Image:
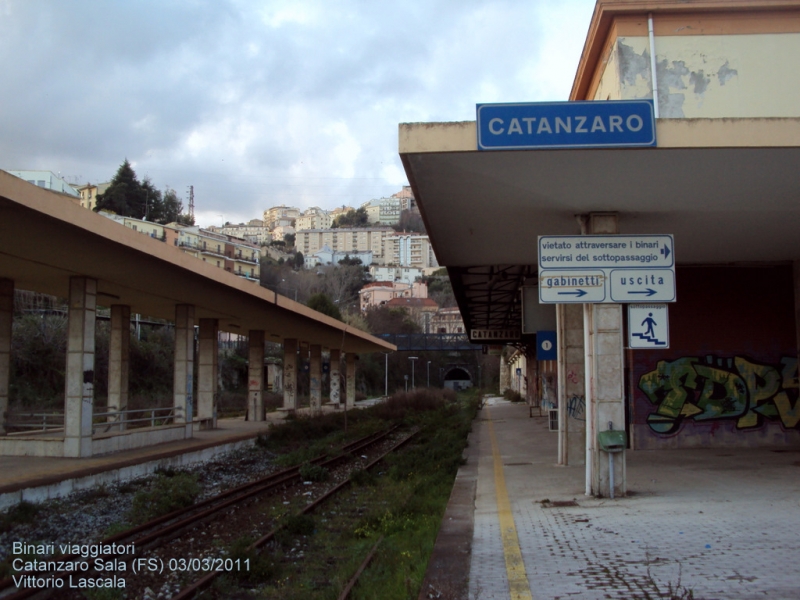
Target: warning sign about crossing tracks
606	268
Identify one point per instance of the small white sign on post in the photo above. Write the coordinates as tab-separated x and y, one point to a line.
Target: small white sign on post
648	326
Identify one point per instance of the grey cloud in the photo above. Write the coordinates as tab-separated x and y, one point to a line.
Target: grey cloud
87	84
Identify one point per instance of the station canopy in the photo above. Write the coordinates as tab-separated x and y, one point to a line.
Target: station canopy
45	239
727	189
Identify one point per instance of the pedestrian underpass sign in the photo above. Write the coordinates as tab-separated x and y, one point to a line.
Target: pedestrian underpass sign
591	269
648	326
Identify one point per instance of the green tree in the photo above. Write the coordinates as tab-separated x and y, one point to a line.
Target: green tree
321	303
350	262
124	195
172	207
153	203
352	218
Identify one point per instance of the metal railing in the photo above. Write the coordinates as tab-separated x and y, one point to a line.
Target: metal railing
151	417
102	421
30	421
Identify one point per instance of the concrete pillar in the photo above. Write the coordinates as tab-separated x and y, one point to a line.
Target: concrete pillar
505	373
571	385
255	376
207	359
290	374
796	273
80	367
119	363
350	398
315	379
6	319
336	396
605	390
183	387
532	377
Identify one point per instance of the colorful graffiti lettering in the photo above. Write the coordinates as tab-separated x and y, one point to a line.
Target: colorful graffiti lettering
732	388
576	407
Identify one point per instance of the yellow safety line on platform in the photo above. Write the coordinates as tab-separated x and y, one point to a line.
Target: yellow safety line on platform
518	584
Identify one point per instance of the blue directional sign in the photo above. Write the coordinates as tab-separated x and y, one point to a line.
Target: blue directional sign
598	124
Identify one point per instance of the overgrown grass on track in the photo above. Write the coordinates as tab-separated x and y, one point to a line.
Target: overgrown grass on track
402	500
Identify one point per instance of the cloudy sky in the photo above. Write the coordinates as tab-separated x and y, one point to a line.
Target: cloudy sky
263	102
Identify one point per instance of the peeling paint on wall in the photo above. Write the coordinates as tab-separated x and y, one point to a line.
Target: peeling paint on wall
700	81
725	73
632	65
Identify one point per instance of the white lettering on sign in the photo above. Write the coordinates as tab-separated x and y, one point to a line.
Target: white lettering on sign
577	124
494	334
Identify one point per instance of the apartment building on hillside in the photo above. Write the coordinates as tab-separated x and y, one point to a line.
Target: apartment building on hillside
409	250
379	293
254	232
226	252
280	216
47	180
384	211
89	192
366	239
313	218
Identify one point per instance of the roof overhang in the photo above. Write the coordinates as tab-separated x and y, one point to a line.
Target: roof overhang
727	189
45	240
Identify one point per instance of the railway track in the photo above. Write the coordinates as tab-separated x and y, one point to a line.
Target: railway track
160	532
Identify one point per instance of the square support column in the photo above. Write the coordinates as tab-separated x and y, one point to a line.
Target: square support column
6	320
80	367
336	395
571	385
350	398
315	379
119	364
607	394
207	358
604	362
290	374
183	387
255	376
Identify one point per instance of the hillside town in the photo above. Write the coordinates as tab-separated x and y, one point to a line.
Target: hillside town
385	236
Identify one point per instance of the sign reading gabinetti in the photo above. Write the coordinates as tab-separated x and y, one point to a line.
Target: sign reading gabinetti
600	124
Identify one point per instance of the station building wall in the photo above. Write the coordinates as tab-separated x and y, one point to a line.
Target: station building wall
729	377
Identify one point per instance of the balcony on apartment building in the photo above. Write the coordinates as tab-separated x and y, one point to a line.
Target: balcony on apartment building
245	258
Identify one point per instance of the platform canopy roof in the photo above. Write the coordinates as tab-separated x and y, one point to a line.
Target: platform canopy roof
727	189
45	239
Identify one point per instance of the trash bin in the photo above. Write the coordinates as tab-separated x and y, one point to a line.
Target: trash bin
611	441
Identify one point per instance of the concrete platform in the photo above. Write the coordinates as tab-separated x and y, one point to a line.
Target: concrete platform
38	478
721	523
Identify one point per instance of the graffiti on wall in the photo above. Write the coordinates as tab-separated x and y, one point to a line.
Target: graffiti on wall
722	388
576	408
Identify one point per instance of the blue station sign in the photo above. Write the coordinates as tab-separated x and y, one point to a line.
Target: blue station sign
539	125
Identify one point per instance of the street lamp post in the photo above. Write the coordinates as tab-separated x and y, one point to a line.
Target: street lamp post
413	359
429	373
386	376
